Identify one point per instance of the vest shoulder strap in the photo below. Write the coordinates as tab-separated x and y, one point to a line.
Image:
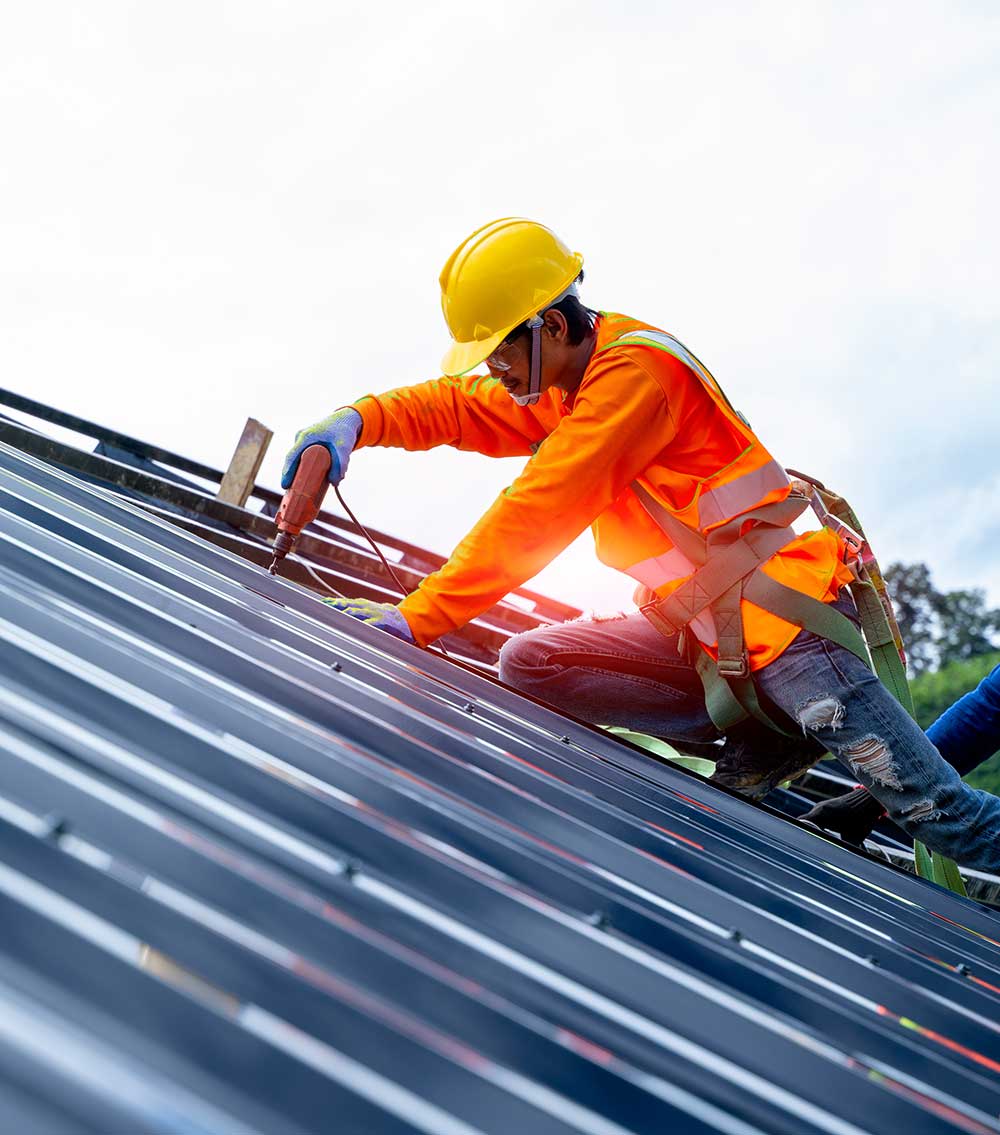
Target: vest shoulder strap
663	341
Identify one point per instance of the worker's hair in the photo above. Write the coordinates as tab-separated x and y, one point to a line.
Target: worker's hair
579	319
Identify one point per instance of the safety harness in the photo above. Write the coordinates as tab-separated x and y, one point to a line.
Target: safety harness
731	559
882	635
727	567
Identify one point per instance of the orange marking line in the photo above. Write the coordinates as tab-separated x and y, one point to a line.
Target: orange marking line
696	803
946	1042
675	835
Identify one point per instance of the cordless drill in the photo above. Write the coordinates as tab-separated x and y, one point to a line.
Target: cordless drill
301	503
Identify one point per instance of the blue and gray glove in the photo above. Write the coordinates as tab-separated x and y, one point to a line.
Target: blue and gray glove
339	433
382	615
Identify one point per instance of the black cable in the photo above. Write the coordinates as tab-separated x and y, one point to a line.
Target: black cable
378	551
364	532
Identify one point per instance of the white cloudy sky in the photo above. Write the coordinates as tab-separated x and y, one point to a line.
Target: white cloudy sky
210	210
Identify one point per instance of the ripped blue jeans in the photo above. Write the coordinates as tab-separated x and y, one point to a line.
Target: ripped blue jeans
621	671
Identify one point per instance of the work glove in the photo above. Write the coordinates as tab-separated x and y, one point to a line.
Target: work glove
339	433
852	816
385	616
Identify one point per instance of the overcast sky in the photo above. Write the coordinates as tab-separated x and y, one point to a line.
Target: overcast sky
213	210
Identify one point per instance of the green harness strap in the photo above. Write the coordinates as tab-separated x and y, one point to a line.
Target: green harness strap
725	559
878	620
805	612
886	660
885	643
731	700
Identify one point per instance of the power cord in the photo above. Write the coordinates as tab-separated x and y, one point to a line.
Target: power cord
321	581
367	535
378	551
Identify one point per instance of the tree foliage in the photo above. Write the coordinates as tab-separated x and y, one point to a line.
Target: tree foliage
935	690
913	597
940	627
966	628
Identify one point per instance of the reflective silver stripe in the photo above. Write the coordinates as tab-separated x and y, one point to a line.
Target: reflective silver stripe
661	569
743	492
673	347
664	342
669	566
740	494
703	626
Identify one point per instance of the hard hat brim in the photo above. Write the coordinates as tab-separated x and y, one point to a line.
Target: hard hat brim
460	358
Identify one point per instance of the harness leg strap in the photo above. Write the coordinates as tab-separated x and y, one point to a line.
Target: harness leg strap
730	701
806	612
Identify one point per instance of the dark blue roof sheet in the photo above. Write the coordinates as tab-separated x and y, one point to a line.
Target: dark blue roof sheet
263	869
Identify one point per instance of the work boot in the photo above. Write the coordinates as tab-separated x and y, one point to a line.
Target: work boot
851	816
754	759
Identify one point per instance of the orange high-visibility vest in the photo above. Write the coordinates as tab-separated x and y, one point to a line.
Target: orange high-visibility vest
641	393
754	479
750	483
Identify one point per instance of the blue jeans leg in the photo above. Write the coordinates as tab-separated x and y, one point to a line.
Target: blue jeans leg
837	699
621	671
616	671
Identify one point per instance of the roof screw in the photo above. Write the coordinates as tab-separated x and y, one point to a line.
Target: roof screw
348	869
598	919
871	959
564	739
963	970
54	827
336	668
735	935
468	707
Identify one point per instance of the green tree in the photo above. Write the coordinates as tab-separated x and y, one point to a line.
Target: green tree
934	691
939	627
914	598
966	627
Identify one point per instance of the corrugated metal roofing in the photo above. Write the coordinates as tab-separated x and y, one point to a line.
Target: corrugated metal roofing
330	554
263	869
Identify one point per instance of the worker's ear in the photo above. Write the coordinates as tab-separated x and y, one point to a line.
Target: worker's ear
556	326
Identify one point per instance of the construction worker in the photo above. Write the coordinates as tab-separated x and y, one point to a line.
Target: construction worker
628	433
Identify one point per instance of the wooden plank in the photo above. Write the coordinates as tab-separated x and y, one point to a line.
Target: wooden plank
237	483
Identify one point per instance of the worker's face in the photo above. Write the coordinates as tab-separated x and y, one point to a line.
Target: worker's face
511	362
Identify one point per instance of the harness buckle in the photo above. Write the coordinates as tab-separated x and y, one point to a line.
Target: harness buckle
854	543
657	618
734	667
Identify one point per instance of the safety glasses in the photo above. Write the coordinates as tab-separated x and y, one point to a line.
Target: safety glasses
496	361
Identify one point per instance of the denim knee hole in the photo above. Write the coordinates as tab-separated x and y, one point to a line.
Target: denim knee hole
823	712
873	757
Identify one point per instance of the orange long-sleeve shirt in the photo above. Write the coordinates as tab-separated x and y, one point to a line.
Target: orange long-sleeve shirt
636	415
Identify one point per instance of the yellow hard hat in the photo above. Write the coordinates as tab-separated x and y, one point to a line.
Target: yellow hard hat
503	274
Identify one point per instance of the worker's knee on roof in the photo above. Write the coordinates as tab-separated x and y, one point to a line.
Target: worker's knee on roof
523	658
